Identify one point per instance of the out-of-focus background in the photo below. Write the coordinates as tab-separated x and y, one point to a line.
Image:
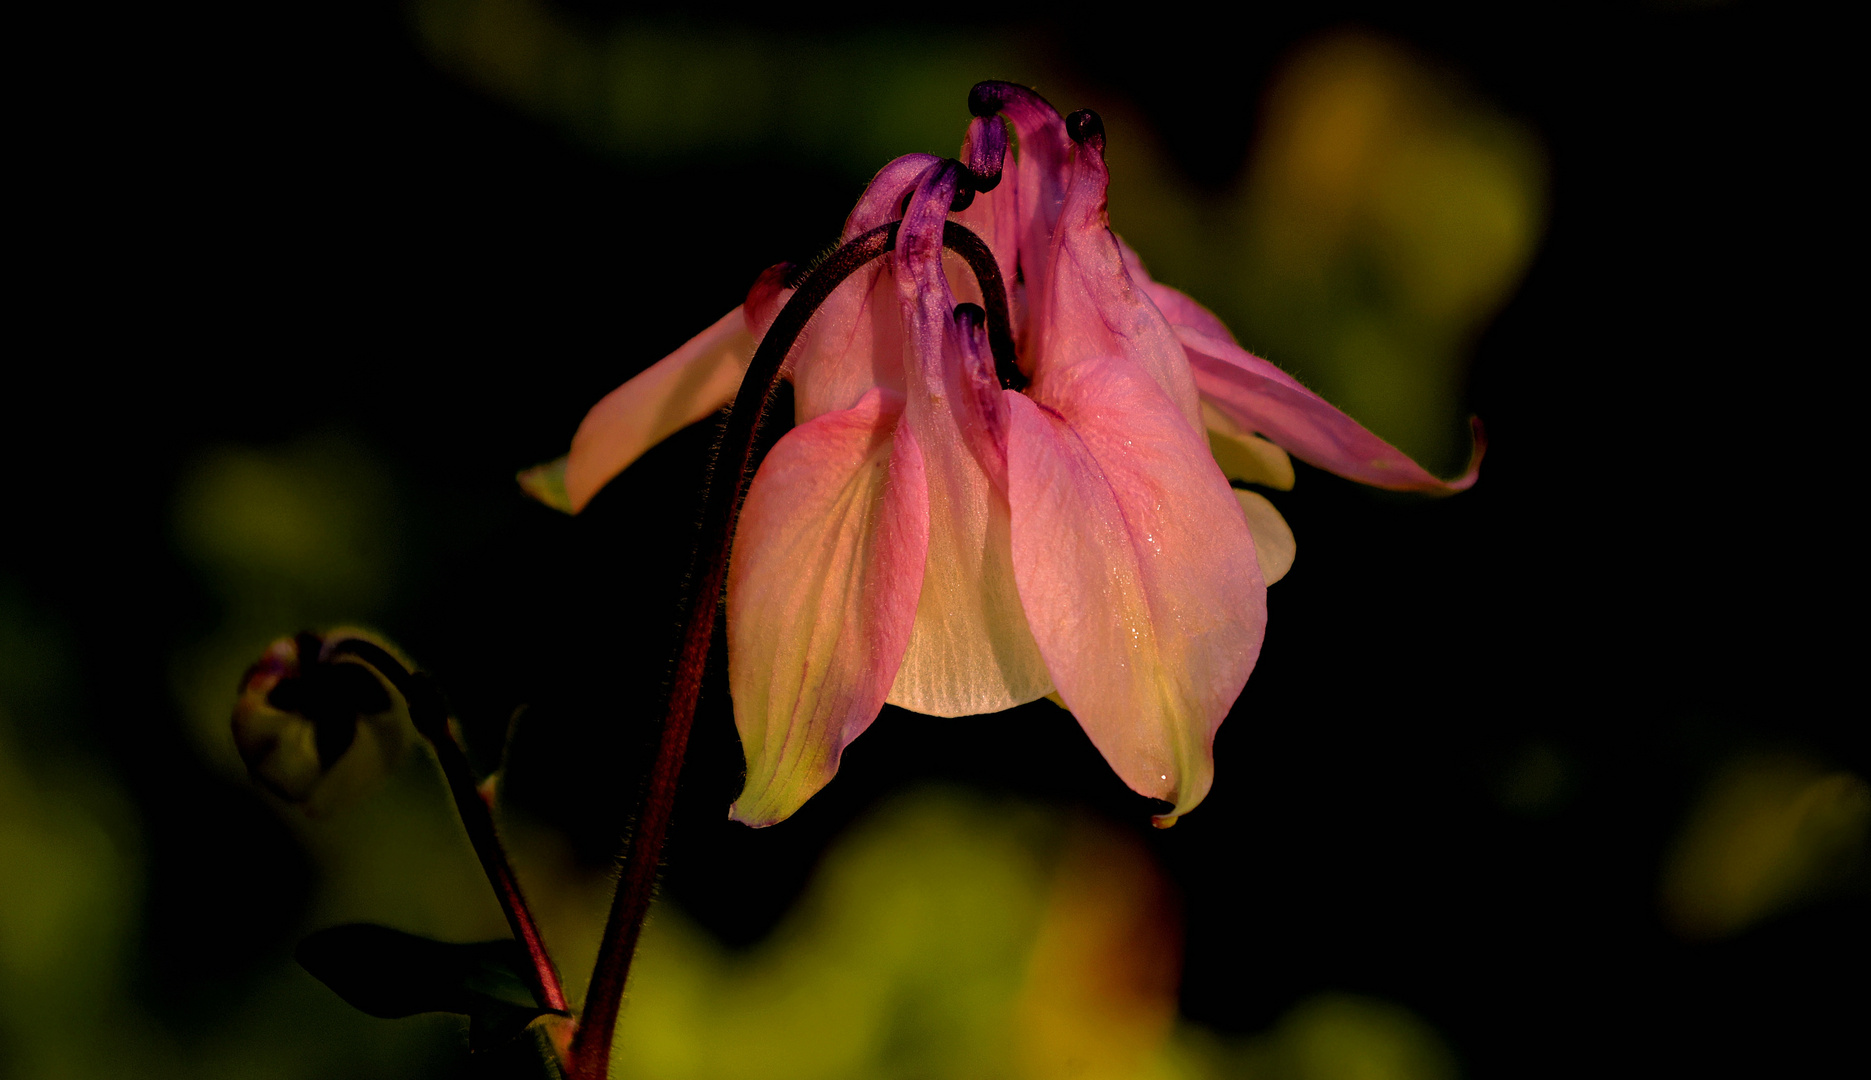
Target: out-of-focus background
1561	775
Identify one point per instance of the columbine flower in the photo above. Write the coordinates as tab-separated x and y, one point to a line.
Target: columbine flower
936	535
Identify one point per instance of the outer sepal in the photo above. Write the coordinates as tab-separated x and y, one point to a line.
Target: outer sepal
1137	570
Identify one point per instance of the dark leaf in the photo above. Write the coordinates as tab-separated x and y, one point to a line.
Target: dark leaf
390	974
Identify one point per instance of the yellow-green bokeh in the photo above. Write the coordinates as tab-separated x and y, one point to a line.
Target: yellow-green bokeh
1769	833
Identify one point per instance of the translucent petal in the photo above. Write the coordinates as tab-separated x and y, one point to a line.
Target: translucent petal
822	589
676	391
1137	570
971	651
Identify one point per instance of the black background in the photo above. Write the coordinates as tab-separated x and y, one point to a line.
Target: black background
245	225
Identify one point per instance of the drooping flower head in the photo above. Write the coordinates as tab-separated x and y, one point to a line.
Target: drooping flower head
957	525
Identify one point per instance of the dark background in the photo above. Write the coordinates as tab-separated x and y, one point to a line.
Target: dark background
249	225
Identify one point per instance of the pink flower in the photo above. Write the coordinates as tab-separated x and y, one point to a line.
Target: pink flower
930	536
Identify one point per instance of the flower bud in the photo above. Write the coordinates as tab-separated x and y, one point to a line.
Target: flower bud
317	729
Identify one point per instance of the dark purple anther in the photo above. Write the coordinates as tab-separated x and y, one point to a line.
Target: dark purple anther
1084	125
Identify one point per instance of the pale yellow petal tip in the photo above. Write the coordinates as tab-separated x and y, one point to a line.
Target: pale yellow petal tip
1164	821
754	821
1274	545
1245	456
760	807
546	483
1252	460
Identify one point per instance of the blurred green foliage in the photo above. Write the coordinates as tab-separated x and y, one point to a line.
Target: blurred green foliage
950	936
285	538
68	905
70	920
660	90
1768	834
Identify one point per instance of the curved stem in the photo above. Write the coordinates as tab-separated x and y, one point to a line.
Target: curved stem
591	1045
430	716
980	258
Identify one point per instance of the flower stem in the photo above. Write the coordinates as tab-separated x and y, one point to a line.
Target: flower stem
430	716
591	1045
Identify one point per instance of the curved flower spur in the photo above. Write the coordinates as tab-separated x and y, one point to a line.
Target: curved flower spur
999	485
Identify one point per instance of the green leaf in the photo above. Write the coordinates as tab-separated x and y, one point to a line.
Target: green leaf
390	974
546	483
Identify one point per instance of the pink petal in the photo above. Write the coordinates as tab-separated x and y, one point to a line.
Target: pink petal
883	196
971	651
676	391
1090	308
1042	173
994	216
1137	570
847	350
853	344
1260	397
822	589
1017	218
766	298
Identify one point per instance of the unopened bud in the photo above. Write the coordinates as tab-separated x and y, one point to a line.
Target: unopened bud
318	728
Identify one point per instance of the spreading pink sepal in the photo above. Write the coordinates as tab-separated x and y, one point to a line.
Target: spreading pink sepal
1136	570
822	590
676	391
1260	397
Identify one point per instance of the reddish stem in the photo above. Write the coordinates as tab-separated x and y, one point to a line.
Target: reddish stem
480	824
